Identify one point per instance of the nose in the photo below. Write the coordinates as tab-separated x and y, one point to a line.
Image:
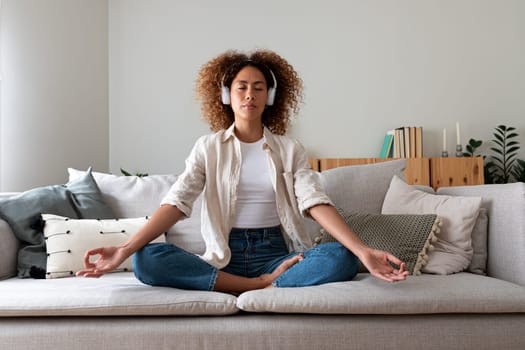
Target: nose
250	94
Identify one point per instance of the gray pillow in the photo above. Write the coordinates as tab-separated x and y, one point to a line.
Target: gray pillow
478	264
79	199
8	250
408	237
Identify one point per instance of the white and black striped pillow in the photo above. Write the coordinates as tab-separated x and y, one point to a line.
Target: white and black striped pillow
67	240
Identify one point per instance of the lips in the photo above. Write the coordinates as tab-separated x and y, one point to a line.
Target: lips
249	106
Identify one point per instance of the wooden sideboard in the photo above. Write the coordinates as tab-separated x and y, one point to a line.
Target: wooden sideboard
435	172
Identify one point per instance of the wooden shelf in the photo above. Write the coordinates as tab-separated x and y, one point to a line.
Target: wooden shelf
435	172
463	171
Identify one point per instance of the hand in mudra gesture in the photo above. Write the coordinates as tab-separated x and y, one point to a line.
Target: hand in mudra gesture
378	264
109	259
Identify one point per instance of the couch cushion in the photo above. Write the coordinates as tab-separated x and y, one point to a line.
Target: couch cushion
361	187
113	294
505	204
426	294
358	187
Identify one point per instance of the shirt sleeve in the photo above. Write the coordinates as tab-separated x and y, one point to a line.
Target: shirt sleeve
190	183
308	188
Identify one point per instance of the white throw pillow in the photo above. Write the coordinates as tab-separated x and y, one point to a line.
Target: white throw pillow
453	249
130	196
67	240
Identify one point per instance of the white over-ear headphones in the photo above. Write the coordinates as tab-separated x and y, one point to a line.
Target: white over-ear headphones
225	92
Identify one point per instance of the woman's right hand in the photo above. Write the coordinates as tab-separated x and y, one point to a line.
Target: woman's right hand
109	259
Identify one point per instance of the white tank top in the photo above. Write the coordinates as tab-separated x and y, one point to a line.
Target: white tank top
255	206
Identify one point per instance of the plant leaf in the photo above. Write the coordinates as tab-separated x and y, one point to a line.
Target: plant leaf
519	171
498	142
497	150
513	149
511	160
476	144
124	172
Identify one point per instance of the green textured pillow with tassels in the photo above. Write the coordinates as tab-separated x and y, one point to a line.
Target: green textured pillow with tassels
407	236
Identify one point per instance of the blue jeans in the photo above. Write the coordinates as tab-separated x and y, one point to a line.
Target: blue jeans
254	252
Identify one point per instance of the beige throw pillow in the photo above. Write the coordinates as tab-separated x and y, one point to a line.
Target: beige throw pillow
453	249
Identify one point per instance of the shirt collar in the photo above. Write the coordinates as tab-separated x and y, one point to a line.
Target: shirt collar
269	137
228	133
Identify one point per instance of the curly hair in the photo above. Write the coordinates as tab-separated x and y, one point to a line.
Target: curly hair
223	69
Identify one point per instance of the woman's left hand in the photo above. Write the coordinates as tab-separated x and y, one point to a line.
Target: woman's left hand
378	264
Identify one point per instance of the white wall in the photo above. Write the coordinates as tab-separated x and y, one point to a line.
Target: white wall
54	90
367	66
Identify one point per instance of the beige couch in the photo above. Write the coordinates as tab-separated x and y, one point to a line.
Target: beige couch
459	311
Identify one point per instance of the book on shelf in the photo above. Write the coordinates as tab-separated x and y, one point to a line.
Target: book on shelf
388	145
398	146
419	142
408	142
406	135
413	141
400	142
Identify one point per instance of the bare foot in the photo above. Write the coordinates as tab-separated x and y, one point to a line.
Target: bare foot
285	265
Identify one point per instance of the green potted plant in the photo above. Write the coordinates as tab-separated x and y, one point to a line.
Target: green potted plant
471	148
501	163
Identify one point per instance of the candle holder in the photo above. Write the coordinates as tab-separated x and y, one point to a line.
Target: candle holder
444	154
459	151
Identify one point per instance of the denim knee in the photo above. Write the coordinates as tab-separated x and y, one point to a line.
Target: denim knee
145	266
163	264
325	263
341	259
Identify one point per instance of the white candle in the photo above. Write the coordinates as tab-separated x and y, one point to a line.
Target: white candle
444	139
458	138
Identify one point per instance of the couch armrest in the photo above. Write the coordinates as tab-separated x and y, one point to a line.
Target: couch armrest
8	251
506	231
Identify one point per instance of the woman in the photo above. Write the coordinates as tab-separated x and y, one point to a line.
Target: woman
256	184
